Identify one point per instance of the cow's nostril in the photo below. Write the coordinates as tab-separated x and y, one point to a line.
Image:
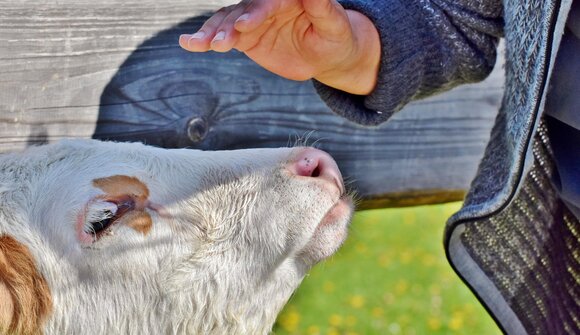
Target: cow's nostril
314	163
307	166
316	172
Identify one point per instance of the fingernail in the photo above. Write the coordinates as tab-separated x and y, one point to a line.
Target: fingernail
199	35
243	17
183	38
219	36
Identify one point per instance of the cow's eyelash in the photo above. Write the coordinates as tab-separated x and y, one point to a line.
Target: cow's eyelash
100	216
101	210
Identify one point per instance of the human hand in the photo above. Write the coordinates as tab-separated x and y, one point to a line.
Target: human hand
298	40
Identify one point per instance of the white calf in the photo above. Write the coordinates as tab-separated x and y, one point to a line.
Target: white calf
117	238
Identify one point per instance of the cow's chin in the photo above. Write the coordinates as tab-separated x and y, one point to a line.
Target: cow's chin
330	232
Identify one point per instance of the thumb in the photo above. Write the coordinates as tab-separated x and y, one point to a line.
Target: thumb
328	17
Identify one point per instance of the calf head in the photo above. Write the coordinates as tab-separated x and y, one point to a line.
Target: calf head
125	238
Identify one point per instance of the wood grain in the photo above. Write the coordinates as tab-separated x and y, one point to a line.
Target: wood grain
113	70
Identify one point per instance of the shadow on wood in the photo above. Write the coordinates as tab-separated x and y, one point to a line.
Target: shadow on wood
164	96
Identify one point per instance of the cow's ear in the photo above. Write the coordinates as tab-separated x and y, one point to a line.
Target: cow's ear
25	300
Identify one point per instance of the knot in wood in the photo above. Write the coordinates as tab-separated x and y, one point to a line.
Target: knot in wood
197	129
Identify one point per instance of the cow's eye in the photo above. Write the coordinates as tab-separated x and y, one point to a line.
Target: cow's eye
101	225
103	214
100	216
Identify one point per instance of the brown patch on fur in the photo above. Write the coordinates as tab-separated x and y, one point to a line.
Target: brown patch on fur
119	188
6	305
140	221
119	185
23	291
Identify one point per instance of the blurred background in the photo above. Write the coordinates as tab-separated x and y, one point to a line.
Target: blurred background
390	277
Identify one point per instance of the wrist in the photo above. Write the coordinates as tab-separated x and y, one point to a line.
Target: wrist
358	73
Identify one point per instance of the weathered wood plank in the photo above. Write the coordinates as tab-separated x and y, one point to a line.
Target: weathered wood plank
113	70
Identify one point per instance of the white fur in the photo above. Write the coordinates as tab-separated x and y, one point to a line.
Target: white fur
235	235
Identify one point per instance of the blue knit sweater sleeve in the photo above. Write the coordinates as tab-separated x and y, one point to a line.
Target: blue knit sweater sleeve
428	46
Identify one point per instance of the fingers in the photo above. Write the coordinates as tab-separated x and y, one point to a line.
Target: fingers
200	41
226	36
328	18
220	32
255	15
217	33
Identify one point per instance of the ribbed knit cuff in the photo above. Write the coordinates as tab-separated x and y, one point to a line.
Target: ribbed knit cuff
400	70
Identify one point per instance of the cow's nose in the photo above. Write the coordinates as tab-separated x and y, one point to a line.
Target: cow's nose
311	162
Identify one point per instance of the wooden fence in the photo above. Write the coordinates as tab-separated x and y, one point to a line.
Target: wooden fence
113	70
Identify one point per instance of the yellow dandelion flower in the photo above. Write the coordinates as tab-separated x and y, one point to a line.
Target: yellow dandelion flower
289	320
428	260
385	260
357	301
313	330
332	331
377	312
456	322
335	320
328	287
401	287
405	257
433	323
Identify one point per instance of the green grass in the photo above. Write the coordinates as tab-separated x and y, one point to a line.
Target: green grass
390	277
